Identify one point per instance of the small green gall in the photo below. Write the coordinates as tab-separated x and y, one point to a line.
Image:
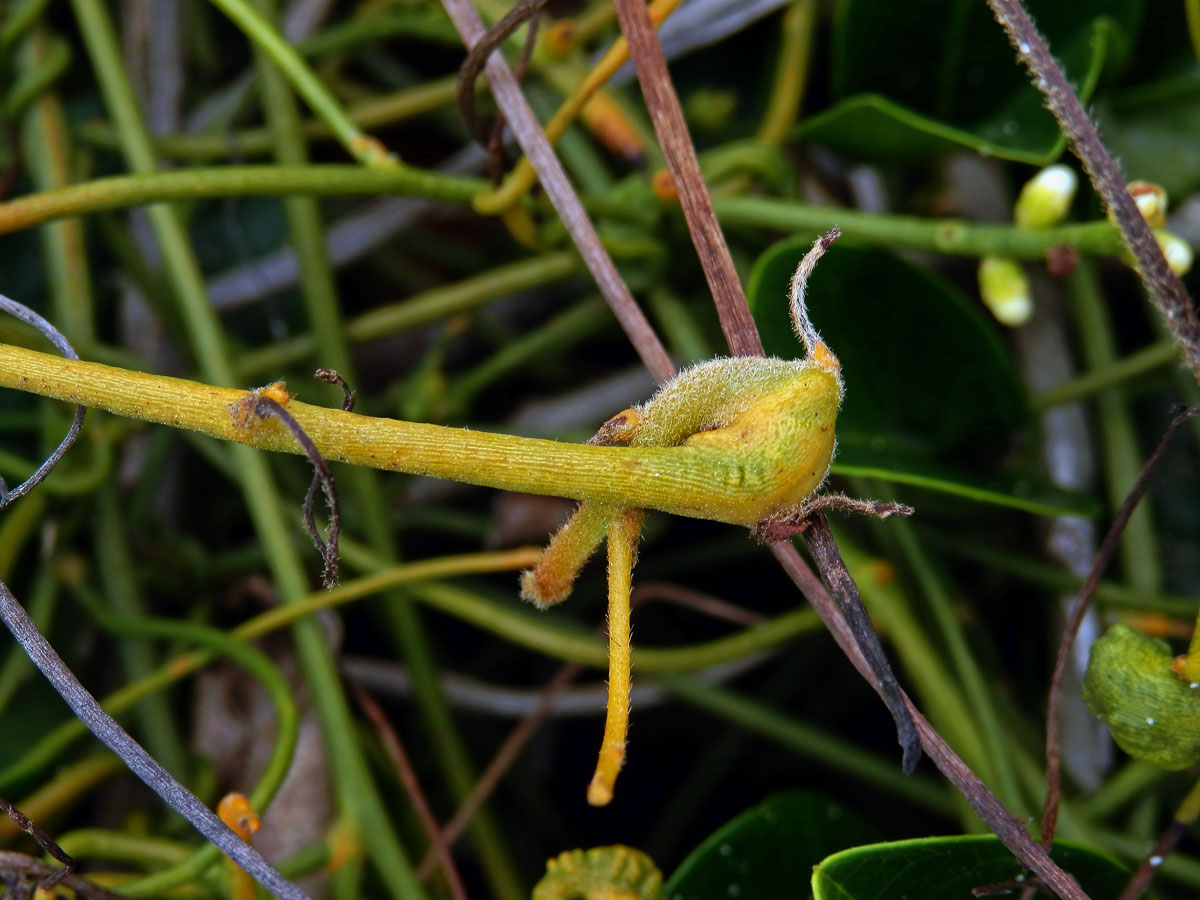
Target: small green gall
1130	685
1004	289
1151	200
618	873
1046	197
1177	251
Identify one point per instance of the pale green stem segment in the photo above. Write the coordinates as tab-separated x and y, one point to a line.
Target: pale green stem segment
774	457
122	191
358	144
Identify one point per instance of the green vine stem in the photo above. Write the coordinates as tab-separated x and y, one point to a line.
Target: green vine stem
351	774
1109	375
375	112
1115	424
421	309
518	625
64	787
156	723
709	482
306	234
116	846
813	743
122	191
949	236
358	144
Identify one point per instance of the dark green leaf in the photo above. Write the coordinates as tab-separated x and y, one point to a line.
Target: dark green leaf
948	868
927	377
924	367
907	89
767	851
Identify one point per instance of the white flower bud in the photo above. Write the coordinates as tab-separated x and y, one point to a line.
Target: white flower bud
1151	200
1046	197
1177	251
1004	289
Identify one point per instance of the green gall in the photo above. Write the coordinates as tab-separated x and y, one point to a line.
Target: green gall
1151	200
1004	289
1176	250
1153	714
601	872
1046	197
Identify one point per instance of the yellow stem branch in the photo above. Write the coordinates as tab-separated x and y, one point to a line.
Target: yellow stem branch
623	533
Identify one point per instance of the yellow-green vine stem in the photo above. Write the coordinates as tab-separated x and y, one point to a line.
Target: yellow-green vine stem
517	625
950	236
48	152
122	191
689	481
1114	422
278	691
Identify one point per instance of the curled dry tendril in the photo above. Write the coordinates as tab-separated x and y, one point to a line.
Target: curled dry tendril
52	334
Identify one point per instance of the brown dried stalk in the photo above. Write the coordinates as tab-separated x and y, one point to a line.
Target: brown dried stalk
680	155
566	202
1007	827
400	760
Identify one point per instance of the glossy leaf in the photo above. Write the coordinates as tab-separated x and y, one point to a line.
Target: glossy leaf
948	868
768	850
906	89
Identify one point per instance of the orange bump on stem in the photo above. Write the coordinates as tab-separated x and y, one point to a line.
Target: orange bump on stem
664	187
242	409
236	812
561	37
623	533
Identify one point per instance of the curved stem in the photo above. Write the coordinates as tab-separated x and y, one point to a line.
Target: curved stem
278	692
1164	286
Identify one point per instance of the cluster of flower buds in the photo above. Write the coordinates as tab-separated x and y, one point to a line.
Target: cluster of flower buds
1151	202
1042	203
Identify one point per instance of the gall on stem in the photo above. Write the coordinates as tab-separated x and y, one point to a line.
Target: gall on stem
776	419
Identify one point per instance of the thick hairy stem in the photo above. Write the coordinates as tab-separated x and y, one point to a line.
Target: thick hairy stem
623	533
